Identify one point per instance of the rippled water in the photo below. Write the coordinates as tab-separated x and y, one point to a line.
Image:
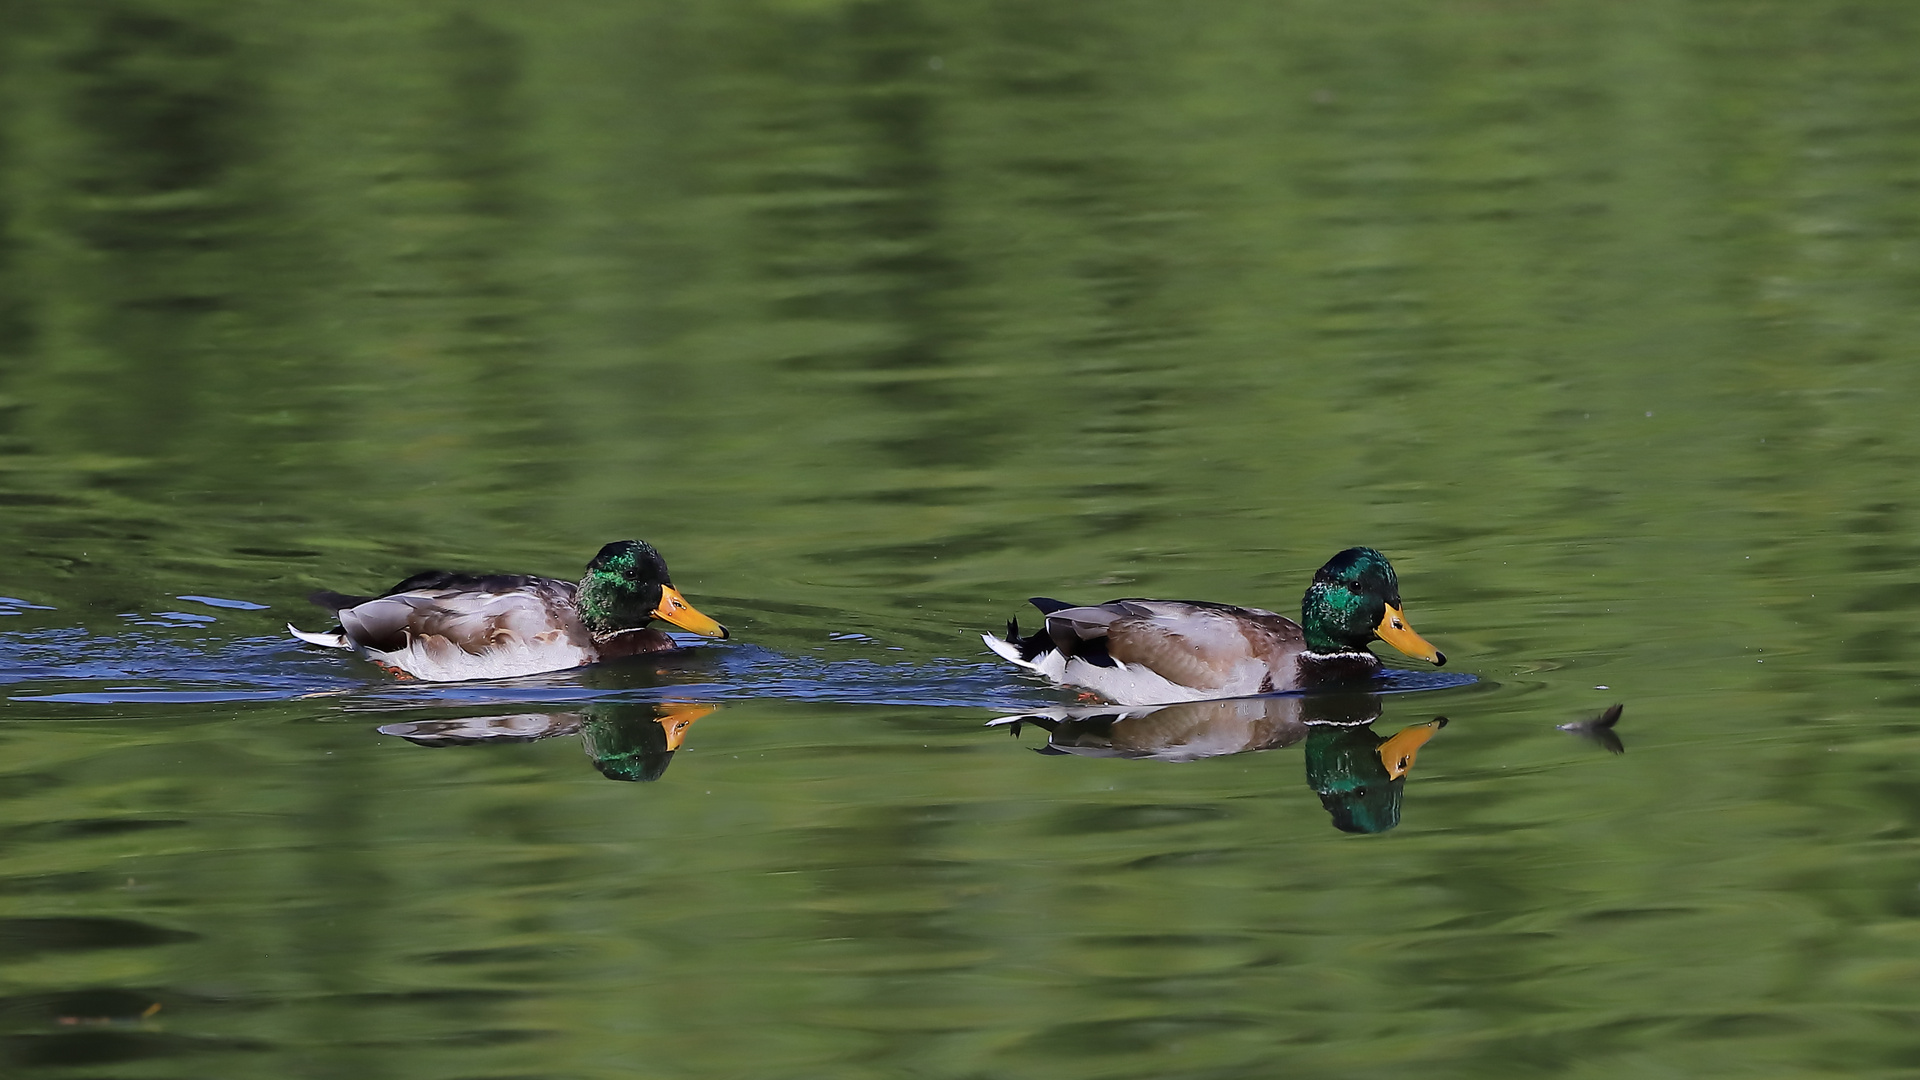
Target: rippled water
878	317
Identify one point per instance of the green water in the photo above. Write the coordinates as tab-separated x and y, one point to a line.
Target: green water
878	318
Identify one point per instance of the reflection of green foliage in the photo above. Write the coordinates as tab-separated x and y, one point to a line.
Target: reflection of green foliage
477	288
1344	769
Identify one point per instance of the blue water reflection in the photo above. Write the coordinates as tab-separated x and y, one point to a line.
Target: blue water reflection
76	666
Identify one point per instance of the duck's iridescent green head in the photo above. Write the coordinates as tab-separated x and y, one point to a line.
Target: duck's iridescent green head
627	586
1354	599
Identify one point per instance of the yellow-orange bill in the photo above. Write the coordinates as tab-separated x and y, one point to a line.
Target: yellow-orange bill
675	609
1398	752
1393	630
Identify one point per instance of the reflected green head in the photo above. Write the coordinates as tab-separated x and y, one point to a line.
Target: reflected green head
626	744
1344	769
621	588
1347	600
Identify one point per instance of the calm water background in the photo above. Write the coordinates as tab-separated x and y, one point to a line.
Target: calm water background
878	317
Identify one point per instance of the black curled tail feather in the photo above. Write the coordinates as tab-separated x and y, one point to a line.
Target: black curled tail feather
1030	646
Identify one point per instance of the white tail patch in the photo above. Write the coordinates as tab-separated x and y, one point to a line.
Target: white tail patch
331	641
1006	650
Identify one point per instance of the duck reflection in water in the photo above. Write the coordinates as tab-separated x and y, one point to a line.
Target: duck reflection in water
1358	774
625	742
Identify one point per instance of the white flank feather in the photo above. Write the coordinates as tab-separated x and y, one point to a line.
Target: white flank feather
1127	684
436	659
1004	649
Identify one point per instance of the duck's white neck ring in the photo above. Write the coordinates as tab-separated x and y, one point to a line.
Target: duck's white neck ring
1351	654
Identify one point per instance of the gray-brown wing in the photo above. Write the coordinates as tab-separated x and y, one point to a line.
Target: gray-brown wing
469	620
1070	626
1192	643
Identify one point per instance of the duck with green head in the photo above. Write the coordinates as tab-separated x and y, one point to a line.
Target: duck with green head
444	626
1154	652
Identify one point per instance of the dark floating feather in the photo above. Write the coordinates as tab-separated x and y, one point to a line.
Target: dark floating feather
1599	730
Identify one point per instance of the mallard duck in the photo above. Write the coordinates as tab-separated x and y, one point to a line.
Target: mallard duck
1156	652
442	626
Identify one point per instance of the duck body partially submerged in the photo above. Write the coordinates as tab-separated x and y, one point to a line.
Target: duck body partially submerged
443	626
1156	652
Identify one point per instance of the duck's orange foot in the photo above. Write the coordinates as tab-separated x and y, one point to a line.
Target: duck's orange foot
398	673
1091	698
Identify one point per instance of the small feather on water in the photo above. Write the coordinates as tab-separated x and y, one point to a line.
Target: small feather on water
1599	730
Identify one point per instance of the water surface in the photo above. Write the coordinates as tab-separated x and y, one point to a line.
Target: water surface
878	317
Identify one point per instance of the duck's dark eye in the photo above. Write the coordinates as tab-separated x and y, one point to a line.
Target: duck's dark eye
1360	791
